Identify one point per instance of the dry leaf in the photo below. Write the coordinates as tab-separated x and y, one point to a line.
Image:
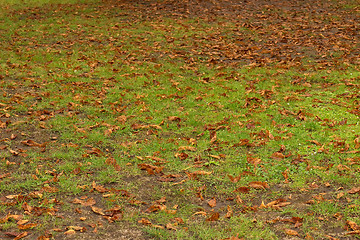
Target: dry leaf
354	190
213	217
27	226
21	235
353	225
170	226
187	148
242	190
291	232
229	212
97	210
70	232
258	185
144	221
212	202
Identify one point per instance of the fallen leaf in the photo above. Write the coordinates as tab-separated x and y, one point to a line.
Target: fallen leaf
242	190
200	213
144	221
213	217
354	190
258	185
87	202
187	148
291	232
27	226
174	118
212	202
353	226
70	232
170	227
97	210
229	212
21	235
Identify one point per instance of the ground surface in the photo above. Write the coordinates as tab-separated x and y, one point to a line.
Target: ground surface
180	120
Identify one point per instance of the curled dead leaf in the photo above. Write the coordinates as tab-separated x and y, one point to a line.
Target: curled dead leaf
187	148
258	185
291	232
242	190
354	190
27	226
87	202
171	227
213	217
97	210
212	202
70	232
145	221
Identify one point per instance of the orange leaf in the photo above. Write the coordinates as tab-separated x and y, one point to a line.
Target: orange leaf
170	226
277	155
353	225
88	202
258	185
70	232
97	210
291	232
212	202
187	148
27	226
174	118
214	217
144	221
354	190
21	235
229	212
242	189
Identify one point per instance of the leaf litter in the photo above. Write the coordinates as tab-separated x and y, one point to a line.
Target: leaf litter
279	37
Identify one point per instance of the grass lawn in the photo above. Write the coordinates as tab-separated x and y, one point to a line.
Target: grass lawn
179	119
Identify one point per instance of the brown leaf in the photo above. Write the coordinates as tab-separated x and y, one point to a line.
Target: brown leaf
27	226
229	212
95	151
32	143
153	208
353	226
181	156
171	227
357	232
99	188
253	161
213	217
97	210
201	172
213	137
21	235
77	228
27	207
212	202
242	190
200	213
291	232
144	221
258	185
234	179
87	202
354	190
174	118
187	148
70	232
150	168
277	156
